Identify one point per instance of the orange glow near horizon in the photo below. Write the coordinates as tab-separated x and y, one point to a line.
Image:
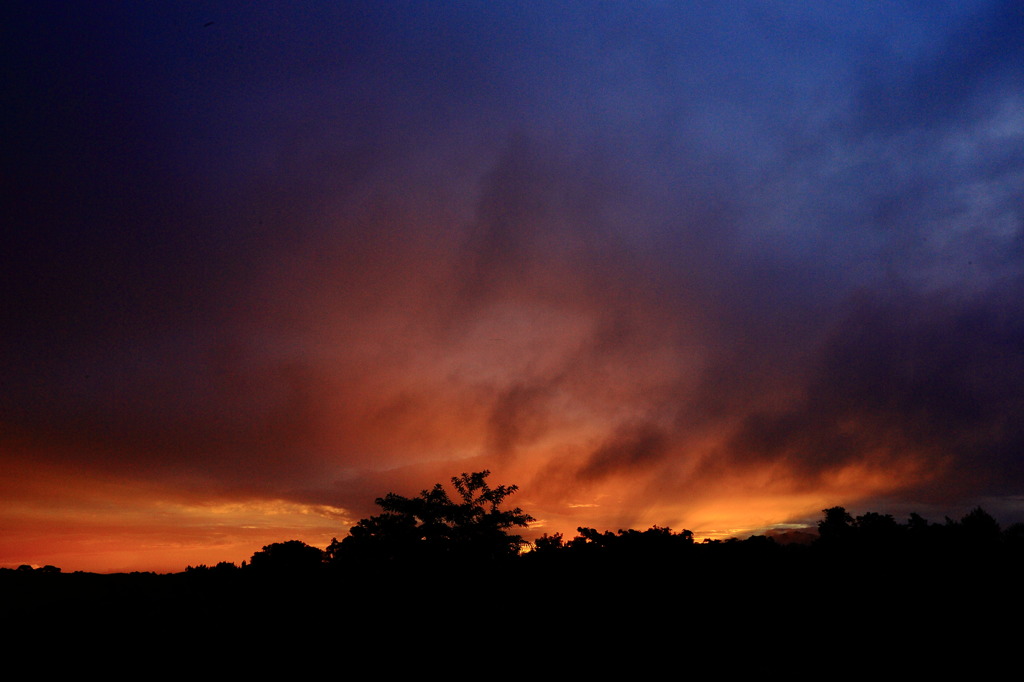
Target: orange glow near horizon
160	538
146	529
100	524
104	523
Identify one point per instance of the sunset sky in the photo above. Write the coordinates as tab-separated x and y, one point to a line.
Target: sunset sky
712	266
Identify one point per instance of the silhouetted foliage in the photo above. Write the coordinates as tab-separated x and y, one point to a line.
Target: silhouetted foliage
47	569
656	541
445	538
917	524
223	567
980	527
963	543
1014	534
293	556
548	544
876	531
836	527
433	525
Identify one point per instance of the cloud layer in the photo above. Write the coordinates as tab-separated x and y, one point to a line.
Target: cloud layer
658	264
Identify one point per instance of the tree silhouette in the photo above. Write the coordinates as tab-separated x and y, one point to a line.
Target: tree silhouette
836	526
980	527
433	525
548	544
655	541
293	556
877	531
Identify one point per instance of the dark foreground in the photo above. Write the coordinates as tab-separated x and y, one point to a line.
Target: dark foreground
738	592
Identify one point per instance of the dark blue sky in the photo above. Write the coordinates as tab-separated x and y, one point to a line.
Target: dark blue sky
676	263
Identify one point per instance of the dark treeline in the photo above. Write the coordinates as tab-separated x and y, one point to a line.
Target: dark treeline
432	528
465	551
474	529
